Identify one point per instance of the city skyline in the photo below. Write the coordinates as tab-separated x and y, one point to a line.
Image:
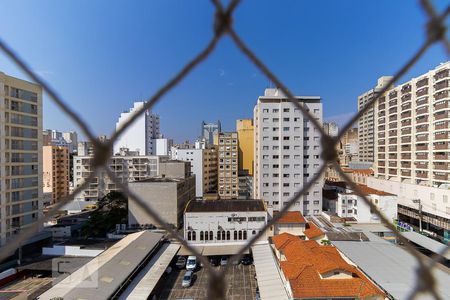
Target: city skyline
61	56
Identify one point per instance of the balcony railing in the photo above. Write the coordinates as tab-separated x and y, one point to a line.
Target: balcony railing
422	174
381	170
421	111
392	118
393	125
406	130
441	85
406	114
442	166
422	92
393	141
406	139
392	94
422	102
406	89
442	136
393	164
422	82
406	164
422	120
382	163
441	105
439	116
392	172
392	156
441	176
442	126
441	95
422	138
381	135
442	146
442	156
406	156
422	147
422	156
393	133
406	173
381	156
406	148
441	74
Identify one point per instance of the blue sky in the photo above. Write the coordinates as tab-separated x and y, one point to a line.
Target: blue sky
103	55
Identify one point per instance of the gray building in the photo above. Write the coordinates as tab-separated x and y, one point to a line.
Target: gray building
209	130
166	194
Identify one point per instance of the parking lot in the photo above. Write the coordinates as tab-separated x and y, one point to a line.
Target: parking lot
241	284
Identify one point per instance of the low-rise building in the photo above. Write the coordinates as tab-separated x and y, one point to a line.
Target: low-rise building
313	271
291	222
167	195
223	221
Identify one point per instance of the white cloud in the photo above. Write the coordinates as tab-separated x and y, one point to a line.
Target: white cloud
221	72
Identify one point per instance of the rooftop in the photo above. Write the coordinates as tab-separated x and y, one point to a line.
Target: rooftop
316	271
291	217
312	231
225	205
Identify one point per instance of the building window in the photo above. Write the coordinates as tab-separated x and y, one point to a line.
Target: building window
218	235
223	235
201	235
228	235
189	235
240	234
245	234
211	237
206	235
235	235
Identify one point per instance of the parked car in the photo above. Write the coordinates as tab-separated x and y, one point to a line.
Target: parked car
191	264
214	261
246	260
224	261
187	279
181	262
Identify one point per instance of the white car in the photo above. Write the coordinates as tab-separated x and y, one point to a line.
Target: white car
224	261
187	279
191	264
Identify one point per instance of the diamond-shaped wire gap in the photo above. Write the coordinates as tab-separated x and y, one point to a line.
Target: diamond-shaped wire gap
149	210
28	232
9	52
436	28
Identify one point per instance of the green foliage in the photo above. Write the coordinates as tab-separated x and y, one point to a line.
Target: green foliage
111	210
325	242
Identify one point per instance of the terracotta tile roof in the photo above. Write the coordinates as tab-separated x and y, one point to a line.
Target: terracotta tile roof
281	240
312	231
291	217
370	191
306	264
360	171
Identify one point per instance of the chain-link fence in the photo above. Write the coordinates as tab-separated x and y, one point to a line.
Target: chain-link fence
223	25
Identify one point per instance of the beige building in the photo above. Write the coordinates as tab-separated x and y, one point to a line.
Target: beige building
245	132
348	147
413	130
167	195
20	155
227	143
56	171
366	122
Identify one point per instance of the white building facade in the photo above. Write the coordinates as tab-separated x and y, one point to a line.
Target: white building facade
162	146
287	152
140	135
223	221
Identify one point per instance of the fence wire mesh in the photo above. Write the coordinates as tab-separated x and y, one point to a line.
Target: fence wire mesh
435	31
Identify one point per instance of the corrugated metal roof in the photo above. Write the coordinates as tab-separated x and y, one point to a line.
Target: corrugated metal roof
390	266
142	286
426	242
267	274
102	276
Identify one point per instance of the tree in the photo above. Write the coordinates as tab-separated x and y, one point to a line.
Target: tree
111	210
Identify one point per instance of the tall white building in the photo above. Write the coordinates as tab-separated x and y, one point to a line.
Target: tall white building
162	146
140	135
203	165
287	152
21	173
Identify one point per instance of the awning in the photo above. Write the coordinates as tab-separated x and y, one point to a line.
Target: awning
185	251
222	250
426	242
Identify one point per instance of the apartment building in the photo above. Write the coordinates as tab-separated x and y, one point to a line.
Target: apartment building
245	132
141	134
56	166
287	151
203	165
209	130
331	128
20	155
227	149
348	147
128	166
366	123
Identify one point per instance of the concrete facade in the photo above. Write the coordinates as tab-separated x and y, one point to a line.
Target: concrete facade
227	149
56	165
209	130
162	146
287	152
245	132
140	135
21	172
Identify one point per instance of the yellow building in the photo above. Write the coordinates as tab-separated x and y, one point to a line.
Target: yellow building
244	128
56	171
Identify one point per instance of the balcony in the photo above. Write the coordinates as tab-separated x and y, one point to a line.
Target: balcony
381	99
421	165
381	114
392	94
422	82
406	139
442	136
441	176
422	91
406	114
393	133
392	118
406	173
381	163
392	110
421	111
422	174
442	156
406	164
381	128
381	106
422	156
441	146
422	138
392	148
441	74
406	89
440	116
393	103
406	130
381	170
441	95
406	156
392	164
392	156
423	119
441	85
442	166
406	148
443	125
392	172
422	101
392	141
422	147
392	125
381	149
381	142
381	135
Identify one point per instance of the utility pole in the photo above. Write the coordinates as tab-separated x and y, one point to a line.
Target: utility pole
420	213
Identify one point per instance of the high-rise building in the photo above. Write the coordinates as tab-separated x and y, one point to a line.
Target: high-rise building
331	128
140	135
227	149
56	164
128	166
287	152
348	147
162	146
209	130
71	137
20	155
203	166
366	123
244	128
